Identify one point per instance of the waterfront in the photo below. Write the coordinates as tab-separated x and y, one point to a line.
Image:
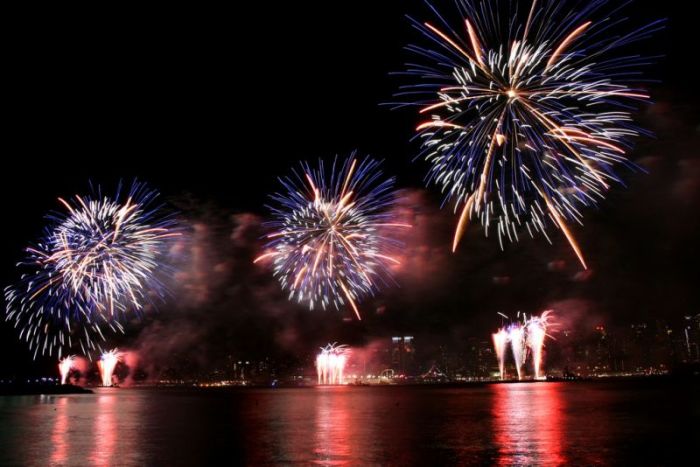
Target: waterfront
543	423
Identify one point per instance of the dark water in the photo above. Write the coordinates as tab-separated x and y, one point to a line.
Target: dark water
623	423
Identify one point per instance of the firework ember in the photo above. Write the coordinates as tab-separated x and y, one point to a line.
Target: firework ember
331	242
527	112
330	364
99	259
107	363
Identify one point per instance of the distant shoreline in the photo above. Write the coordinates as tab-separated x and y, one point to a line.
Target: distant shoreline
47	389
447	384
41	389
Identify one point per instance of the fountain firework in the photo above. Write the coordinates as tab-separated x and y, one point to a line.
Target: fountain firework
516	336
108	361
330	364
500	341
64	367
522	335
536	332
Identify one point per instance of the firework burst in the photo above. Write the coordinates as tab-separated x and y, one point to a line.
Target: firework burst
330	241
97	261
527	111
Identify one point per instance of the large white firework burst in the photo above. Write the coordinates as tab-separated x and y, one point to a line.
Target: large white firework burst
98	260
527	110
331	239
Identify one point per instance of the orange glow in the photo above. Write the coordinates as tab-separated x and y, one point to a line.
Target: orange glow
318	257
570	38
266	255
313	187
63	201
299	276
437	123
593	141
352	302
450	41
450	102
462	224
475	42
347	179
529	19
567	233
487	163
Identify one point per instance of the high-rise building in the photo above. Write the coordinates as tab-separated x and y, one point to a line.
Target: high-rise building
403	355
480	360
601	350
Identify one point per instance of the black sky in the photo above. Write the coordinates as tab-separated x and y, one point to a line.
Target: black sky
217	103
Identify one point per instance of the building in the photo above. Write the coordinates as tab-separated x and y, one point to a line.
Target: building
403	355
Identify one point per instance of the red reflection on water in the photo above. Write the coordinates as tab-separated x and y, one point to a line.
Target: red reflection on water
106	432
333	426
59	434
528	423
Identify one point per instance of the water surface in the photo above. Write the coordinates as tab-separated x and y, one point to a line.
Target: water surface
628	423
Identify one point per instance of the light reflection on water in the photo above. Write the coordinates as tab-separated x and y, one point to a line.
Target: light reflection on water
59	434
528	424
504	424
106	431
332	427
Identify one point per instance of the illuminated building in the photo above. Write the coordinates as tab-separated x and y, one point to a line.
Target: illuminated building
403	354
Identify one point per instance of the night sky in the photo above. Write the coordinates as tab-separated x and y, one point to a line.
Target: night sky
211	106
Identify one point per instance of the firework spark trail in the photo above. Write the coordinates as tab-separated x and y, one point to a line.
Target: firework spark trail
332	234
500	342
330	364
529	111
516	337
536	333
107	363
98	260
65	366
